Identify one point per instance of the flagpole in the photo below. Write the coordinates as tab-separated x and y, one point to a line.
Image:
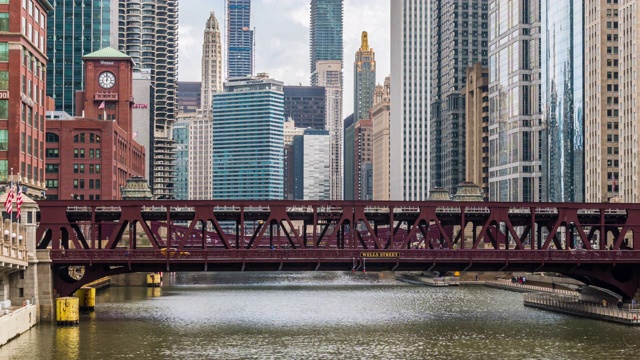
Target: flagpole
11	213
18	207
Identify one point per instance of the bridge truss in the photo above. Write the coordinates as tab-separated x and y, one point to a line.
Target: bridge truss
592	242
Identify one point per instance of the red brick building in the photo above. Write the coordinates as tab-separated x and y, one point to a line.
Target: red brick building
23	62
91	156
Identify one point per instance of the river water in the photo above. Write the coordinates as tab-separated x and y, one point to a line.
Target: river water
319	316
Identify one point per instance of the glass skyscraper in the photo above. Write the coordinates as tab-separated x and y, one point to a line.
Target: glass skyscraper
515	112
75	28
239	38
460	39
180	131
248	140
325	33
562	96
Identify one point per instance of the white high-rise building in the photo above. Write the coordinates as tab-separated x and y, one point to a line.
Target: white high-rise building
629	95
201	126
410	98
211	63
329	75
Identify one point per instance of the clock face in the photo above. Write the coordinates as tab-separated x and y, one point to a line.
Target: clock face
107	80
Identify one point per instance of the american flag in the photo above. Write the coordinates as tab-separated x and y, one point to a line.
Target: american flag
613	178
101	106
8	203
19	201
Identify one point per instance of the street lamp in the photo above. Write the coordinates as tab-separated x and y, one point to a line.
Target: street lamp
6	235
13	238
20	240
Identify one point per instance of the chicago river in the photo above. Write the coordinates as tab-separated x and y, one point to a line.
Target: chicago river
319	316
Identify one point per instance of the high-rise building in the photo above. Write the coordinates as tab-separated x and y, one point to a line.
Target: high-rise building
200	133
211	63
239	38
148	32
311	165
364	79
189	96
381	115
348	155
74	29
92	157
562	96
460	38
476	100
180	131
329	75
602	99
23	66
325	34
515	113
290	131
358	158
410	94
629	94
248	139
142	115
305	105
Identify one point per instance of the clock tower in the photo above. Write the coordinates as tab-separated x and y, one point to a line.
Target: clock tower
108	88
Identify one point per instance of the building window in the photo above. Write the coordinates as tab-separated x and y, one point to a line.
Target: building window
52	184
53	154
4	21
4	109
4	170
4	140
4	51
52	138
4	80
52	168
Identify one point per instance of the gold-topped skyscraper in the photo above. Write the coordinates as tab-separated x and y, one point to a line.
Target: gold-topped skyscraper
364	78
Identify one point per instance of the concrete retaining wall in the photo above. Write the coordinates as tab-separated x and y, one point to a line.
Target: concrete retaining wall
17	322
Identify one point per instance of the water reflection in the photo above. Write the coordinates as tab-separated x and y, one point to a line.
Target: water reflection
325	315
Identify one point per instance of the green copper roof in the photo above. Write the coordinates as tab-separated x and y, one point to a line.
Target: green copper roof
108	53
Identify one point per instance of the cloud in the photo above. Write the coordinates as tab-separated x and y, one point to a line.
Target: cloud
282	38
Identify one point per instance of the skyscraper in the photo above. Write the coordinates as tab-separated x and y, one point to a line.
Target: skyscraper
148	32
364	79
410	94
180	130
629	97
476	95
562	96
381	114
75	29
357	160
325	33
329	75
248	139
211	63
239	38
311	165
306	106
460	39
602	99
201	125
515	112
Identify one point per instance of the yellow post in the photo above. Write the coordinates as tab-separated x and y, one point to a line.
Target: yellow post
87	298
67	310
153	280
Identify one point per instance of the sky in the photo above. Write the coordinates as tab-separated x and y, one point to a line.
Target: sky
282	38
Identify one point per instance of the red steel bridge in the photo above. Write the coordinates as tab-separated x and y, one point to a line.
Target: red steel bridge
592	242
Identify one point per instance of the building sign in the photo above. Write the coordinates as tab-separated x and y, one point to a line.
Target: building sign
4	94
102	62
140	106
378	254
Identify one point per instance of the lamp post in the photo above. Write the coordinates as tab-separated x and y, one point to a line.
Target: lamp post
20	241
13	238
